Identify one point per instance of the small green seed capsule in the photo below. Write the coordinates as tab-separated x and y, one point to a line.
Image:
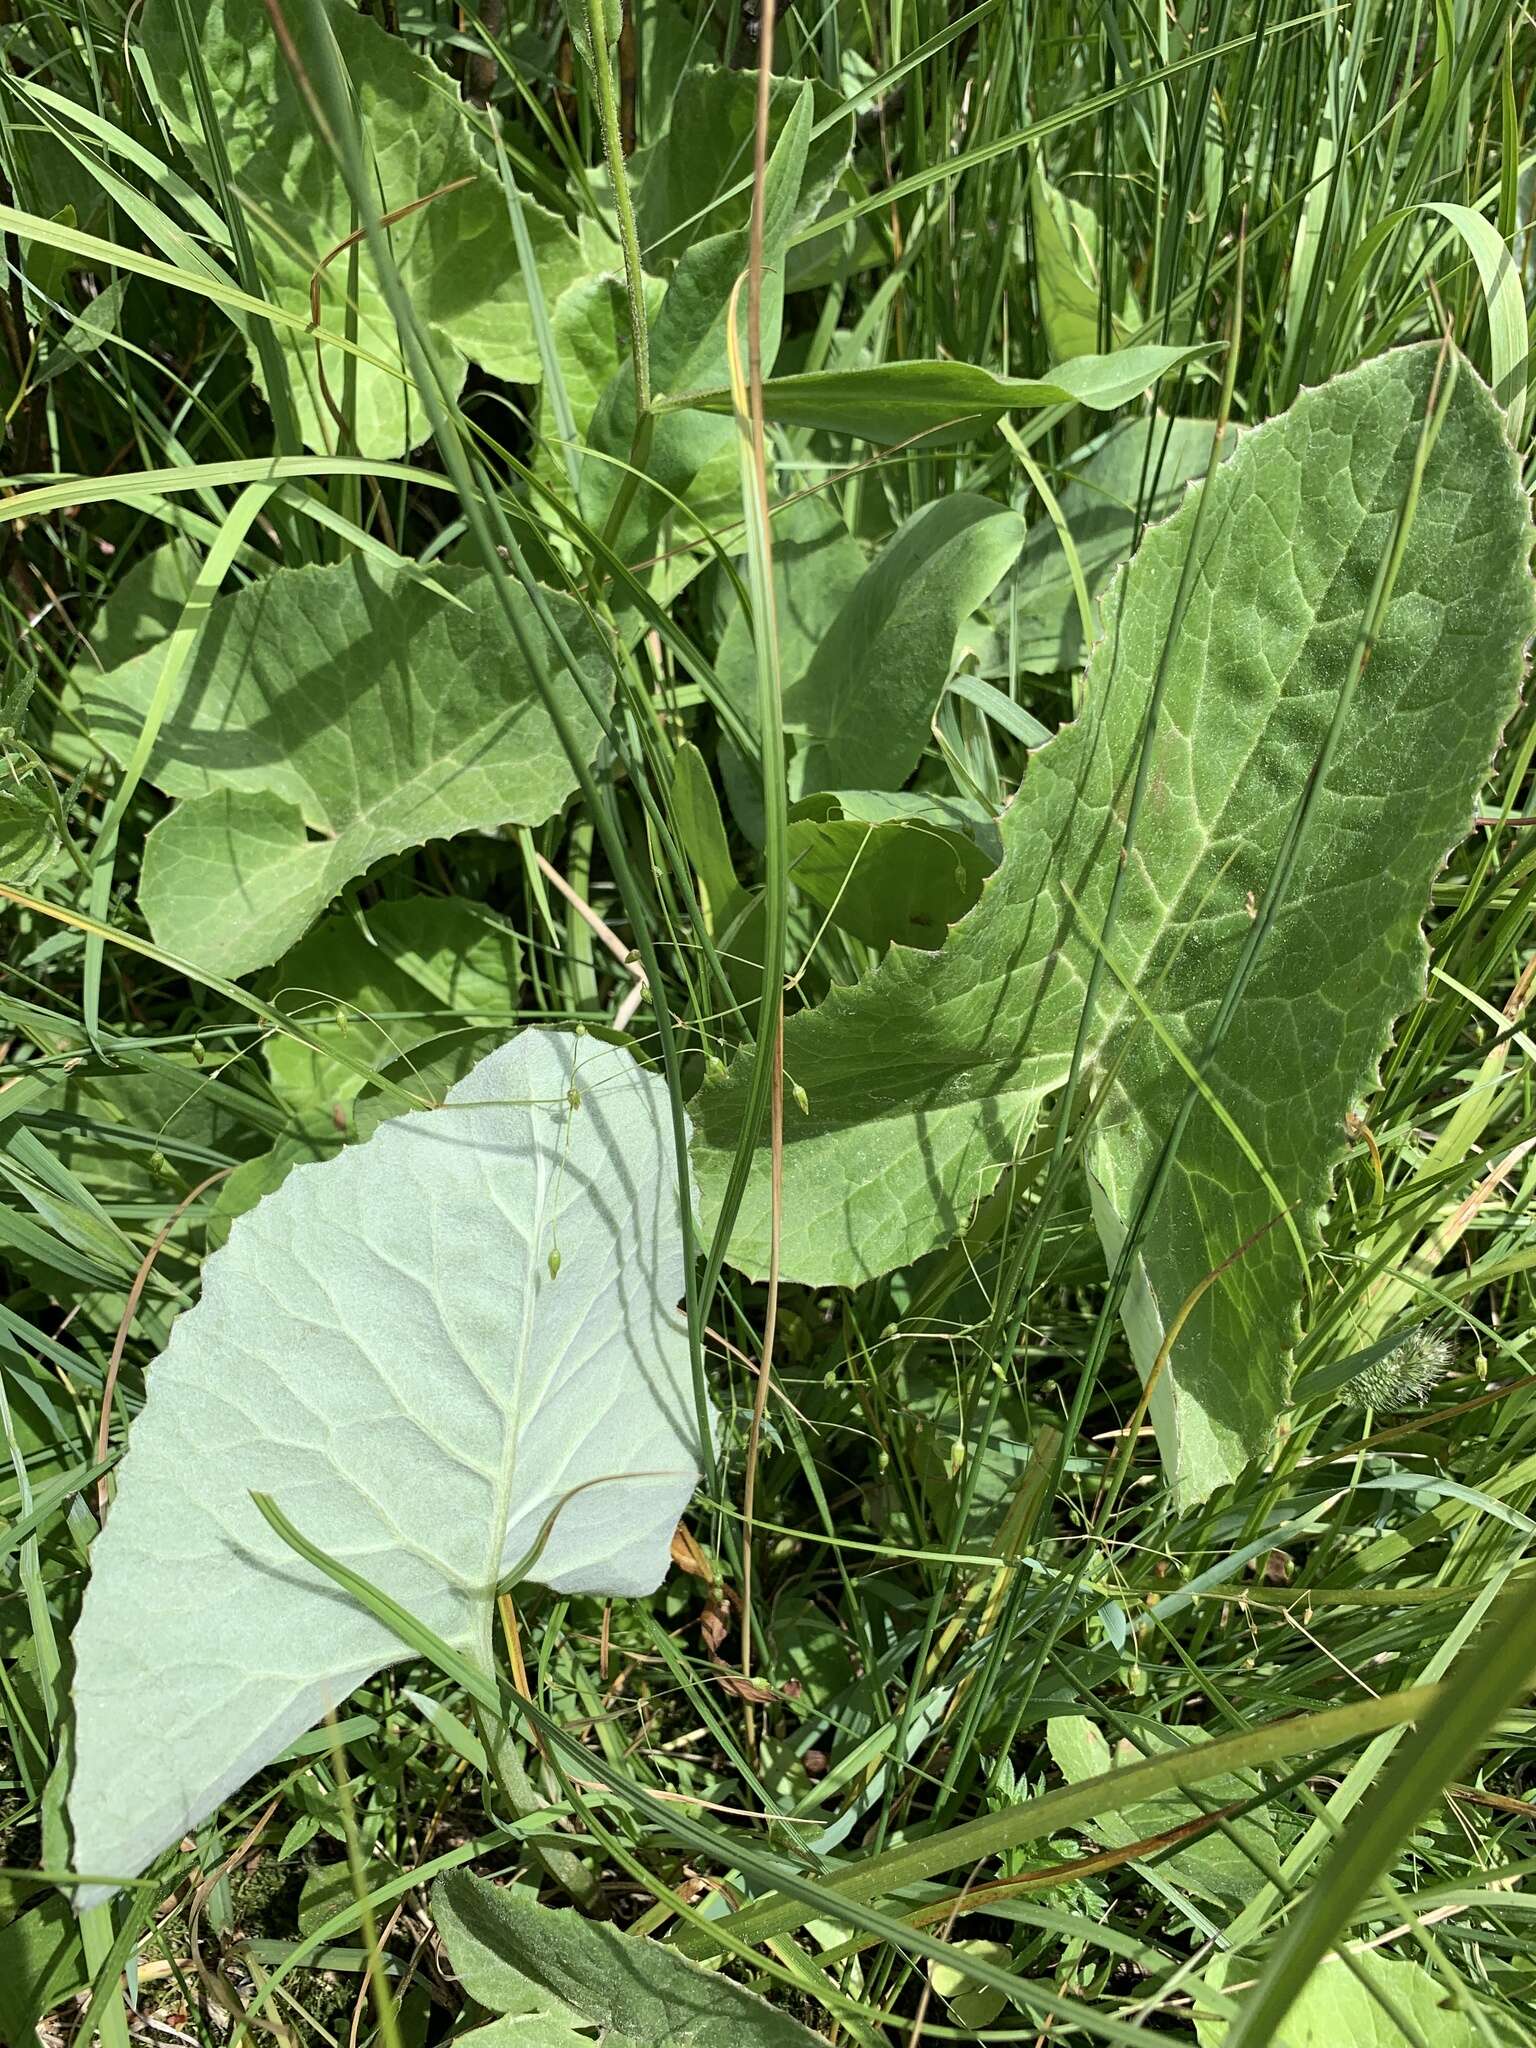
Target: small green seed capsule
554	1262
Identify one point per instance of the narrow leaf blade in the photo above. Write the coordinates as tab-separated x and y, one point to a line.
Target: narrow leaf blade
898	401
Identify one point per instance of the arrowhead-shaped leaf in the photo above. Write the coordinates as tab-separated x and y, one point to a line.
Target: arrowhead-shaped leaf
513	1955
418	1349
456	253
923	1080
326	718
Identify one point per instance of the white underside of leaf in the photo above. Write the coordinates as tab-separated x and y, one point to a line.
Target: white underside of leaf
382	1347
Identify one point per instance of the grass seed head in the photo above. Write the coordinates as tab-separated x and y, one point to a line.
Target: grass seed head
1403	1376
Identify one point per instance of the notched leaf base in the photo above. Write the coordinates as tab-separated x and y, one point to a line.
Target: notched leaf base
420	1349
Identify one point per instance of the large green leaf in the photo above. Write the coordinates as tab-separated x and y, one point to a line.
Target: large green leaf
816	565
1069	261
113	1123
864	662
860	715
685	181
890	866
923	1081
326	718
456	255
429	1071
512	1955
381	986
897	401
1215	1865
680	179
420	1349
533	2030
144	605
41	1964
378	983
697	821
589	325
1135	473
1337	2008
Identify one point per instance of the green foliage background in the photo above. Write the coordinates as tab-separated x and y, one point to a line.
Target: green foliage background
379	681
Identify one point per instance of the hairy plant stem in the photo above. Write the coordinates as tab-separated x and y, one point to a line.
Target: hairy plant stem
600	62
496	543
524	1800
629	241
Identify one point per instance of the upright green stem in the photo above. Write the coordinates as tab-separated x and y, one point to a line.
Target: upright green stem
523	1801
497	545
770	711
601	60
